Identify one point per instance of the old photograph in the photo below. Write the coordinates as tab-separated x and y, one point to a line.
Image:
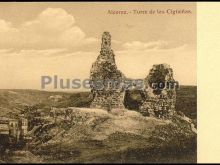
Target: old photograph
98	82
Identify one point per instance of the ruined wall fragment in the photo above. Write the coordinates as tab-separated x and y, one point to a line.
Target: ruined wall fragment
160	92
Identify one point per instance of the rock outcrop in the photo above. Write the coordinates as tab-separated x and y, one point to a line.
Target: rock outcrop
106	78
160	92
96	136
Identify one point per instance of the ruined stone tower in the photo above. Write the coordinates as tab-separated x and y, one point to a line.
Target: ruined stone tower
106	95
160	92
108	88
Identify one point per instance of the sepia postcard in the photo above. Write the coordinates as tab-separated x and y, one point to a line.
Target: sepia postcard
98	82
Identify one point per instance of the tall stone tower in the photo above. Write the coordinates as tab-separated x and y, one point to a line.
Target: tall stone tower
106	78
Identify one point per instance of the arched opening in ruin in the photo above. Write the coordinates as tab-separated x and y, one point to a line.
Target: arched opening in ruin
133	99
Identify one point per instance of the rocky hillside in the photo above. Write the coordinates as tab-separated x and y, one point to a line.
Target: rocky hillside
95	136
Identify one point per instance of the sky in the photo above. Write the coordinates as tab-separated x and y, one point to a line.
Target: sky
63	39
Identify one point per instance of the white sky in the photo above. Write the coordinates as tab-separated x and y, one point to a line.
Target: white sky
40	39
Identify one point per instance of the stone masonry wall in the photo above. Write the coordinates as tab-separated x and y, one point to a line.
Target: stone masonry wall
160	92
104	69
158	102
